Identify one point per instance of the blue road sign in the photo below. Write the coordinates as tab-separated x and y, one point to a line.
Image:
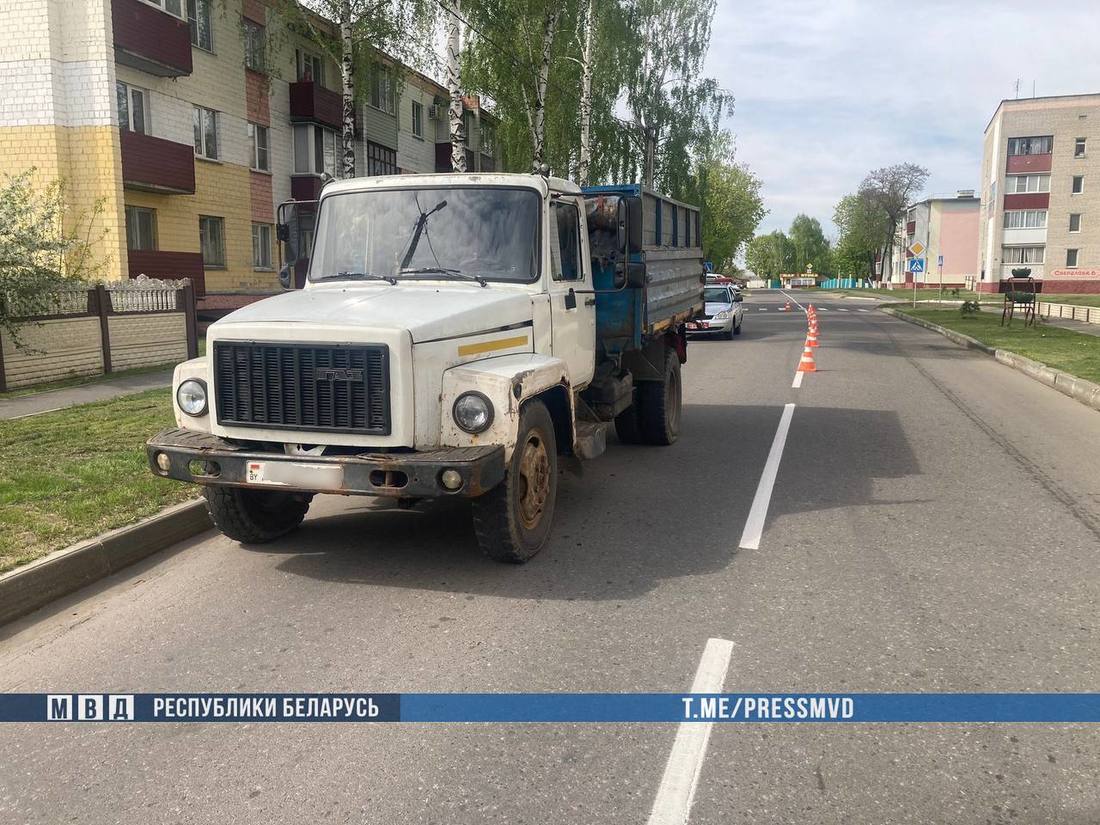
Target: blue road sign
916	265
939	261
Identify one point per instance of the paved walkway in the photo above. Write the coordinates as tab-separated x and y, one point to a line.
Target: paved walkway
1076	326
71	396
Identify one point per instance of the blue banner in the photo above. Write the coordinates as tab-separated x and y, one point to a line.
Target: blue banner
549	707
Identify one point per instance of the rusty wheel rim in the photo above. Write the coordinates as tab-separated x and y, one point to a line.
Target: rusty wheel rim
534	481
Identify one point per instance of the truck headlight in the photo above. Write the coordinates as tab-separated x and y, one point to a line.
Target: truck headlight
473	412
191	396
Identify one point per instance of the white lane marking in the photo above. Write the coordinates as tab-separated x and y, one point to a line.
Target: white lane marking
763	309
792	298
754	527
863	310
823	309
841	309
677	789
797	380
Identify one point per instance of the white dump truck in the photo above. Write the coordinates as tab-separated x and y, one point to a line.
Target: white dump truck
457	335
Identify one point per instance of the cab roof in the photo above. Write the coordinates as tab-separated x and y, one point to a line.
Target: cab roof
537	182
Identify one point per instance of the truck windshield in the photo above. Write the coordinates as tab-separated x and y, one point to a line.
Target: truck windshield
446	233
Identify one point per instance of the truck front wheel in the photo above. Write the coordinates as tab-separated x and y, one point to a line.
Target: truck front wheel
659	403
255	516
512	521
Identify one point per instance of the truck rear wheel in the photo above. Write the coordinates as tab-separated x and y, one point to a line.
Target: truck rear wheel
512	521
255	516
659	403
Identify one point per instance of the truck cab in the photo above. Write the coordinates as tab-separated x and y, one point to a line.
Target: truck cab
447	342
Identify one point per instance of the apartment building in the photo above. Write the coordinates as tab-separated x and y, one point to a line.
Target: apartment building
1040	199
945	232
181	124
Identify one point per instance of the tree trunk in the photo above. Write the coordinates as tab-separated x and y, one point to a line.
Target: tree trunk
347	76
454	87
538	137
586	98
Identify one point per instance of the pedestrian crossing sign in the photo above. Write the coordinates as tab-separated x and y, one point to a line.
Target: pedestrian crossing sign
916	265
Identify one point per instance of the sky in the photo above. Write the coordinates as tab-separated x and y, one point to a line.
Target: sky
827	90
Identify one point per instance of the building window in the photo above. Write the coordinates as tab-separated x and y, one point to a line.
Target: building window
310	67
1079	148
1023	254
1075	222
381	90
1071	258
253	45
418	118
565	254
1026	219
261	246
141	228
212	241
259	141
1078	184
198	17
133	108
314	150
488	138
1031	145
1027	183
381	160
173	7
205	123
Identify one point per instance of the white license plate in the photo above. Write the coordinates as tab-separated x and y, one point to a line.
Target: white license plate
294	474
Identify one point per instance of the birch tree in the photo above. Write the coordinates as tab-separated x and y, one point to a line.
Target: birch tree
585	159
454	87
354	34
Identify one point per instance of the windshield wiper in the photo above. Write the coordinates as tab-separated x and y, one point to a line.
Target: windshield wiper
360	276
455	274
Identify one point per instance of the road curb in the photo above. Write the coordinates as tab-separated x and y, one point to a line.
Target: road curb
34	585
1079	389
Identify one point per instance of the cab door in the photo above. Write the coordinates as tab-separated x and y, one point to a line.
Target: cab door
572	314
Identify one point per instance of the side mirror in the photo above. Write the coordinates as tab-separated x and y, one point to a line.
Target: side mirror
282	232
737	298
630	224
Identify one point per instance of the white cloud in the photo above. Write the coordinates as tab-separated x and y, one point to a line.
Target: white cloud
827	91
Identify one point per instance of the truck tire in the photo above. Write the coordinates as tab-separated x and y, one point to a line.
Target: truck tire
254	516
660	403
627	426
512	521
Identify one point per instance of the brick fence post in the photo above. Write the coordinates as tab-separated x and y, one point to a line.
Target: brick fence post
103	307
191	319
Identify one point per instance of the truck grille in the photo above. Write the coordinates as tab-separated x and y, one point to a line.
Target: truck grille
303	386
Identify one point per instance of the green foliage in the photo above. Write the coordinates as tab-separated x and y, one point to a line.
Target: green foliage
969	308
863	224
811	247
732	206
771	255
46	252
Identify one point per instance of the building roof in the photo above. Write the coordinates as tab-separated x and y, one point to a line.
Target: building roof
1092	97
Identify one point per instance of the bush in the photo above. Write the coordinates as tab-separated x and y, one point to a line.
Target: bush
43	250
969	308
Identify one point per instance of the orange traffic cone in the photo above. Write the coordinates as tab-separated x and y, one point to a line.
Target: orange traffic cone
813	325
811	338
810	310
787	308
807	363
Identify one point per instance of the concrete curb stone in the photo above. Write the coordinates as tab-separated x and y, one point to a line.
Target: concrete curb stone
1079	389
34	585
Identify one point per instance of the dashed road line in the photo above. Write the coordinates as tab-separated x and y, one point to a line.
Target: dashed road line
797	380
758	513
685	763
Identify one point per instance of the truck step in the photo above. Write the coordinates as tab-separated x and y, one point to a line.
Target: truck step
591	439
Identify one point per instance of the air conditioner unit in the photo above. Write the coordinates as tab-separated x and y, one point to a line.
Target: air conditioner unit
435	112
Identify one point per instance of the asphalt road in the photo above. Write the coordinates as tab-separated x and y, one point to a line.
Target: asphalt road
934	526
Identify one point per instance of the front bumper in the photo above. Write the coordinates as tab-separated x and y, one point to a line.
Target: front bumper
712	325
399	475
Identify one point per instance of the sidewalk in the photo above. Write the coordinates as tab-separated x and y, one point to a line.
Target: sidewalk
97	391
1076	326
